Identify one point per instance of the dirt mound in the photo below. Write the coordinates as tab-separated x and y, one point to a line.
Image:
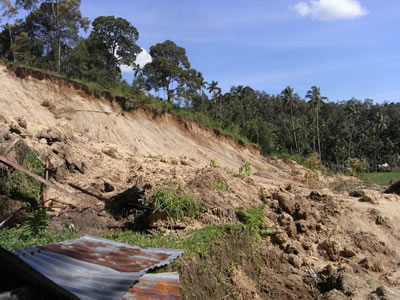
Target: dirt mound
323	244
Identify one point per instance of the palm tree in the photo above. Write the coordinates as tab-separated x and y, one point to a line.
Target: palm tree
316	100
290	100
216	92
353	115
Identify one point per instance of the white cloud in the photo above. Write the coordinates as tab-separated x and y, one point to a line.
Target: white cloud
329	10
141	59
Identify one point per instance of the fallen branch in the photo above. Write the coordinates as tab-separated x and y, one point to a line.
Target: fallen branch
11	146
63	202
87	192
4	222
38	178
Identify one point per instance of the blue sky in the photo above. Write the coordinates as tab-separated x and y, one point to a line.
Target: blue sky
349	48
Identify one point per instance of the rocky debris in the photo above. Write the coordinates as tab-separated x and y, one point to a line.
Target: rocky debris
383	293
14	128
51	135
347	252
330	249
380	220
342	280
3	119
356	193
108	187
394	187
295	261
369	198
73	163
22	122
369	264
280	238
320	197
122	204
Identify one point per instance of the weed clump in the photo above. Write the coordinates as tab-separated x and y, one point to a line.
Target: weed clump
253	220
176	204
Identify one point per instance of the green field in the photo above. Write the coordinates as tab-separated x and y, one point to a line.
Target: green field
382	178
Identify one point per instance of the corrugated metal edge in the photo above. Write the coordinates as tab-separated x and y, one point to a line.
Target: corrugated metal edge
155	286
54	272
14	265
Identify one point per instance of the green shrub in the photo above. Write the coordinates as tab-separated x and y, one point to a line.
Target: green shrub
219	186
36	223
247	169
213	163
176	204
111	152
253	220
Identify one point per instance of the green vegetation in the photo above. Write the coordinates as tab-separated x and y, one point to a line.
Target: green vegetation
382	178
253	220
176	204
246	168
36	223
111	152
19	185
33	232
311	162
213	163
47	38
219	186
17	238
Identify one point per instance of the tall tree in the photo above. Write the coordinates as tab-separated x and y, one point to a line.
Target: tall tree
8	11
167	69
215	91
353	114
290	101
57	23
316	100
118	37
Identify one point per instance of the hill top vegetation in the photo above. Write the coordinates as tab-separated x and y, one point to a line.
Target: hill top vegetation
351	135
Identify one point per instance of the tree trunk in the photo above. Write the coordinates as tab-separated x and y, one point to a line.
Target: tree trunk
293	129
11	42
319	142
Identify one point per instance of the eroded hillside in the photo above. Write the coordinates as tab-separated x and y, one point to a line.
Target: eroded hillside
323	243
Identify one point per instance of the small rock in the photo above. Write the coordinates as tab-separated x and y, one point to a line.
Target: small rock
379	220
22	122
347	252
369	198
3	119
302	226
43	141
295	261
108	187
279	238
356	193
285	202
382	292
15	129
307	245
184	162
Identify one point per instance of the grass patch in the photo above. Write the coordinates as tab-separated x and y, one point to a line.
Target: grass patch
382	178
16	238
218	186
253	220
176	204
200	240
111	152
311	162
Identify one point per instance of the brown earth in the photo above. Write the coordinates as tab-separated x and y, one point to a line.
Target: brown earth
327	244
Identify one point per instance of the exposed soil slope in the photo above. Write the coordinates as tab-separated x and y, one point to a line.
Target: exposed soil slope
327	244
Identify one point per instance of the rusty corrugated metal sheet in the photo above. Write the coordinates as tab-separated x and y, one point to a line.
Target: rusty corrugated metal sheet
95	268
155	286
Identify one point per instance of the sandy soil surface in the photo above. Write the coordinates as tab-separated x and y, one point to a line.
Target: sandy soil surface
329	245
